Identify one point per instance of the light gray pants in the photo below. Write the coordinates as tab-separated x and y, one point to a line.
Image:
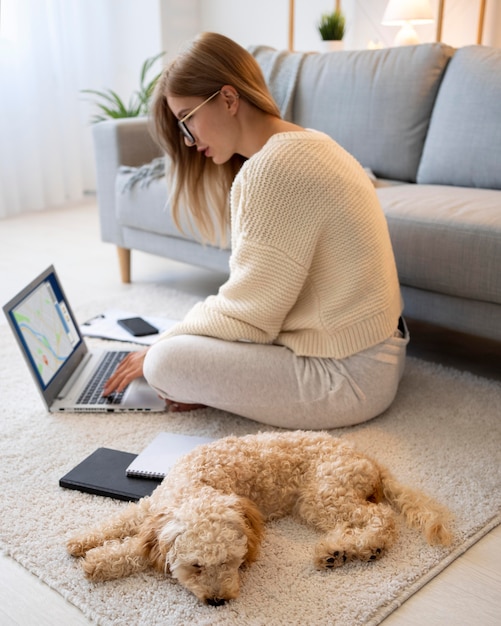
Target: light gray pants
270	384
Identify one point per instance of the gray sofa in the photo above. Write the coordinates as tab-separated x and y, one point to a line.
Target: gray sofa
425	121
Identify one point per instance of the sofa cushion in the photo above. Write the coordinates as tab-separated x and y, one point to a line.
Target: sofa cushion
145	206
463	146
446	239
376	103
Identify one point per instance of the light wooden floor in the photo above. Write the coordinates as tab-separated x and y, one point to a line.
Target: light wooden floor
467	593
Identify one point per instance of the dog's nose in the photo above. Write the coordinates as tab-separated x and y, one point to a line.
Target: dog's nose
216	601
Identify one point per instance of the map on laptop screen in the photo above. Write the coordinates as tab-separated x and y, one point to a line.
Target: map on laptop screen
47	330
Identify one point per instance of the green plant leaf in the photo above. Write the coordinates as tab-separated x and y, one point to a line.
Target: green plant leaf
135	106
113	113
112	106
148	64
108	96
100	94
332	26
148	89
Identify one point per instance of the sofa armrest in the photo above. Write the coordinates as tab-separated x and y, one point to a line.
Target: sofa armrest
119	142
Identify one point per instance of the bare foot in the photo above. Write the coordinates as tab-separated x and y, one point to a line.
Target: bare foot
180	407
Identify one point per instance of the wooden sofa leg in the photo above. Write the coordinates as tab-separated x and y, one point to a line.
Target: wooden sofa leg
124	263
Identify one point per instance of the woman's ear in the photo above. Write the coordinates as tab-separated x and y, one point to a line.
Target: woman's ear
231	97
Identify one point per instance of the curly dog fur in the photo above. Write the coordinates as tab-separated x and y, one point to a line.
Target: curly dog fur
206	519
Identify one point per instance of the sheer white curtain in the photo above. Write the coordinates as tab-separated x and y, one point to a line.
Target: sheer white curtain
49	51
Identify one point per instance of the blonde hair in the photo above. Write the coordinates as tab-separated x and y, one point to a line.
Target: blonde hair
200	188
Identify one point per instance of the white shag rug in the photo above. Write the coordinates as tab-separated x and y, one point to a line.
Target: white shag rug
442	434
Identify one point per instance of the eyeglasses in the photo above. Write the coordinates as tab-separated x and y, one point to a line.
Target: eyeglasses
188	137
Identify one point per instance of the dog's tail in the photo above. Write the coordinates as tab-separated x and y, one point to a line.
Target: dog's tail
419	510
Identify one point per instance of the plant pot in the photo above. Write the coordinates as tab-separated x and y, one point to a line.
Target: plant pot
332	45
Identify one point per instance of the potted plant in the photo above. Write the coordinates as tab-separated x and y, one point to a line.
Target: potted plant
332	29
112	106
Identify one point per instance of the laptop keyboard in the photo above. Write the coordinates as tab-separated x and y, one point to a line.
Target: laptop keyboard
92	394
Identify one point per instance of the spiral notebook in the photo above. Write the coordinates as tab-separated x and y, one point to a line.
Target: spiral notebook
160	455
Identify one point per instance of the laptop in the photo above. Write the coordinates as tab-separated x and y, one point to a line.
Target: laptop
68	375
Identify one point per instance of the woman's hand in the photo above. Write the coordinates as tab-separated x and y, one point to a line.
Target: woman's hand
128	370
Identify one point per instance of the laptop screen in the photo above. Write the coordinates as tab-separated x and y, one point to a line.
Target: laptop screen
45	327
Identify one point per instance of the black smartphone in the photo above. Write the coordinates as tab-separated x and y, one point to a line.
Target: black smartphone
137	326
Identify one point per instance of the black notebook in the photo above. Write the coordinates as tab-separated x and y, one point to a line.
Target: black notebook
103	473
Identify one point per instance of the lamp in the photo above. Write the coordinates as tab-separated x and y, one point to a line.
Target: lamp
405	13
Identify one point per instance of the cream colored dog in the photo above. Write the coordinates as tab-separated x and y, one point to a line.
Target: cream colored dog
206	518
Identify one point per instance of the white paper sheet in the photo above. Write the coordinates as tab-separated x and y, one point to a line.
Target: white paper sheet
105	326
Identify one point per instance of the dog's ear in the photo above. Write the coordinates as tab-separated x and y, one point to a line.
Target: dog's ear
157	536
253	528
149	544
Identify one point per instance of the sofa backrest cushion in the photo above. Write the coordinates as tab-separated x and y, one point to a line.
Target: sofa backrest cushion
463	146
375	103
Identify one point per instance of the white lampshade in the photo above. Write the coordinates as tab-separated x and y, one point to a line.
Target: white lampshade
406	13
402	11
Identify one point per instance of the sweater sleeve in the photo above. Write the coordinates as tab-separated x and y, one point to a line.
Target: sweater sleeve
272	240
253	303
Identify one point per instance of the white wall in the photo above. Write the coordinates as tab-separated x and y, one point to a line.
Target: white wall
118	37
179	21
266	22
128	33
49	52
248	22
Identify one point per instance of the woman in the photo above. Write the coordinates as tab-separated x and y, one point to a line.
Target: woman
304	333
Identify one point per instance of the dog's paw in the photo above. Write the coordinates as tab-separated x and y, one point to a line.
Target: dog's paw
331	557
100	564
114	559
95	569
371	554
77	547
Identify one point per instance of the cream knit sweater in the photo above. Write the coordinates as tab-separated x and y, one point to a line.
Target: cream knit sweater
312	266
